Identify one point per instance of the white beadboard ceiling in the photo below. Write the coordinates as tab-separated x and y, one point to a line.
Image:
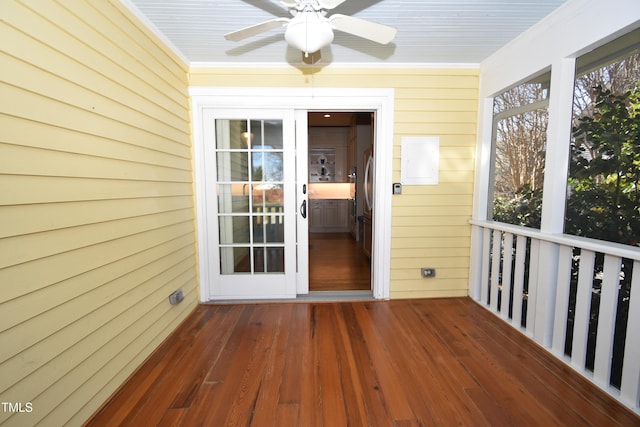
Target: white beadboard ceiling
429	31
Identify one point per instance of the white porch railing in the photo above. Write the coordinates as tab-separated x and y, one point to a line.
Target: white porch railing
577	297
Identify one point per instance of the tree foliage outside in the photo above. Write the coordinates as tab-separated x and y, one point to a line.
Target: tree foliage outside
521	139
604	177
520	145
523	207
603	200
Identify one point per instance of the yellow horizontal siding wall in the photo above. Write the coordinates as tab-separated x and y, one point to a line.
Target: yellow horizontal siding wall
430	223
96	204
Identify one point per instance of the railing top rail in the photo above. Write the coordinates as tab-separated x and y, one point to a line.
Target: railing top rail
617	249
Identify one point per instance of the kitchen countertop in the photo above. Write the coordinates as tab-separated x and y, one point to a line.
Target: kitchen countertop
340	190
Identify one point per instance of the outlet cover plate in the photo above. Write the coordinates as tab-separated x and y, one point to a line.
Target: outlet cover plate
428	272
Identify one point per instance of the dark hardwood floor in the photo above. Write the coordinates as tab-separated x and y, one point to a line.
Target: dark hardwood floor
337	263
437	362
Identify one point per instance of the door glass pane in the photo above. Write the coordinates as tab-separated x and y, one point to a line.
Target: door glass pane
256	134
250	174
267	197
235	260
269	259
231	134
268	228
266	134
234	229
233	198
233	166
266	166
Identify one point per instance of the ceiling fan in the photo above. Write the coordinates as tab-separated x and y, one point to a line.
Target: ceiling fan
310	29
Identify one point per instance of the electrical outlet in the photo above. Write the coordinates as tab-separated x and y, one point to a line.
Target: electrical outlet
176	297
428	272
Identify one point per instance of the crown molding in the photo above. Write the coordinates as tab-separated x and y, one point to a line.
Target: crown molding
394	65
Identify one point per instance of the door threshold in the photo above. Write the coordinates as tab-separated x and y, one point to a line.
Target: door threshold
313	296
336	296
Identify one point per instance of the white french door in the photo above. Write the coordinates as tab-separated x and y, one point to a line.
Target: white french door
248	242
251	203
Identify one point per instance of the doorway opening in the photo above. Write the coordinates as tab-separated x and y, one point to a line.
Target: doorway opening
291	105
340	145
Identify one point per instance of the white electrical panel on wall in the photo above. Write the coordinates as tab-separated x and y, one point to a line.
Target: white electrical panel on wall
420	160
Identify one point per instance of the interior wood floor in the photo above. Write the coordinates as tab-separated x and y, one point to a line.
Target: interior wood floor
337	263
437	362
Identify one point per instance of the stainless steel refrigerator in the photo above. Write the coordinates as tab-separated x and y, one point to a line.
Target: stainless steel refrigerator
368	201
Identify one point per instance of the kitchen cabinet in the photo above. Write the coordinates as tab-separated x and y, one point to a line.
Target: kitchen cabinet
328	215
322	165
328	165
328	151
342	171
316	214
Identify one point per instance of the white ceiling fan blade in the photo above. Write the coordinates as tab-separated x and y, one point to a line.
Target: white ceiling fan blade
324	4
373	31
330	4
256	29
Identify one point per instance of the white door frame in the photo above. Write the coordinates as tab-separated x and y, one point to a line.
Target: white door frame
379	100
302	196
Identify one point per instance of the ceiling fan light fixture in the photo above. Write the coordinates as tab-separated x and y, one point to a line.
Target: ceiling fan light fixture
309	32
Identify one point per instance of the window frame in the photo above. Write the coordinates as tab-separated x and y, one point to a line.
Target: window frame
601	57
495	119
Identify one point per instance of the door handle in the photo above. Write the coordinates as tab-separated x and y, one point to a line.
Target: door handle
303	209
367	170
